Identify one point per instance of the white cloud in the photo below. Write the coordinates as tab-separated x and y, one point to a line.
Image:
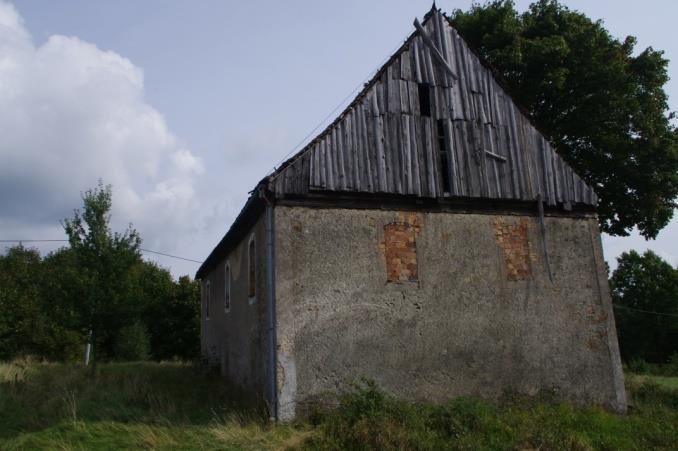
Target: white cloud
73	113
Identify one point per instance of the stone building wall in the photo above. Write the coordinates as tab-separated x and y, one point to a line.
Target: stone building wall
235	340
437	305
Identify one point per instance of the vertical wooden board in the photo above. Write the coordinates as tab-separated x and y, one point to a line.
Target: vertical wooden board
379	146
522	191
396	153
459	149
305	173
557	179
357	160
404	97
499	168
444	112
363	156
381	94
473	157
540	166
452	158
332	160
414	98
388	153
332	157
514	163
421	155
349	161
366	149
393	96
498	102
406	65
329	171
478	109
430	67
406	154
395	68
489	96
414	155
550	176
431	157
416	60
315	177
527	149
340	151
322	170
462	83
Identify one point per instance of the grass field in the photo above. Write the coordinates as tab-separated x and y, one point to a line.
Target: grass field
178	406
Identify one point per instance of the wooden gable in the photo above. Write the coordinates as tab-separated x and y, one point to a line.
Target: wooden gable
433	123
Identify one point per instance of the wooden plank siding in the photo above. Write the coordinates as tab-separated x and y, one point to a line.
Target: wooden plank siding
385	143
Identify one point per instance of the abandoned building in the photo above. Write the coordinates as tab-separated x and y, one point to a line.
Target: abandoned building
430	239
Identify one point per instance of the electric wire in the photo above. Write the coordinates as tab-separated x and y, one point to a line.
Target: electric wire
141	249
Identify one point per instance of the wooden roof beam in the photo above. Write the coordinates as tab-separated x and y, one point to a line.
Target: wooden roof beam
440	59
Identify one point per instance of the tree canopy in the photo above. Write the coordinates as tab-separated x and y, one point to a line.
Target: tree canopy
645	294
134	308
600	101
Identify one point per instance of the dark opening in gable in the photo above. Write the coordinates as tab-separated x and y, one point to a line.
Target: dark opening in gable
424	99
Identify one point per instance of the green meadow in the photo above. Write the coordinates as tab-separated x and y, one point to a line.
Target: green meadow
178	406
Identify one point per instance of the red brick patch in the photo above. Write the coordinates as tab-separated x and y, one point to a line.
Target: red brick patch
400	249
516	247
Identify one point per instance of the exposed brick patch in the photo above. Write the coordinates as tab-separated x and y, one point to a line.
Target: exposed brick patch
400	249
516	247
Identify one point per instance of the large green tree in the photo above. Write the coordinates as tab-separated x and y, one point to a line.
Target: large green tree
645	294
105	260
600	101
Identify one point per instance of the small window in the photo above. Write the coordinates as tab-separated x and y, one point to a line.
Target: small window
227	288
251	265
444	153
208	299
424	99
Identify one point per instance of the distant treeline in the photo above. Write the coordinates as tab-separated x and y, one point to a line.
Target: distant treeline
41	310
99	291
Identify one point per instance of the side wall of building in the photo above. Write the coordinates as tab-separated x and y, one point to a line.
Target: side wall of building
437	305
235	340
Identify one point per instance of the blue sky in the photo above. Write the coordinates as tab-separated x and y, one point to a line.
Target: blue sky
183	106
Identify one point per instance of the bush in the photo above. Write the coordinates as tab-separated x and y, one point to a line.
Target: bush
132	343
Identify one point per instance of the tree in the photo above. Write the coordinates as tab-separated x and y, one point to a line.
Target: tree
645	294
104	260
604	108
21	319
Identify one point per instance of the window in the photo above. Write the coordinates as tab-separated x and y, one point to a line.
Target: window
208	299
424	99
251	266
227	288
444	153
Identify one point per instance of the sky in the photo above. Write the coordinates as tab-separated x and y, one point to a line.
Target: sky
184	106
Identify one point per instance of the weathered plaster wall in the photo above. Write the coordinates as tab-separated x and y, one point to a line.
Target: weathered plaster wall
482	319
236	340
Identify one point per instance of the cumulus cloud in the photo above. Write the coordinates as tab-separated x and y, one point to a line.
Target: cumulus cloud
73	113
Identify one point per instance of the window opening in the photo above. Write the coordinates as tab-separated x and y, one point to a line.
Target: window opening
424	99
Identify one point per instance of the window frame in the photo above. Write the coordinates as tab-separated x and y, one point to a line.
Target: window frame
252	270
227	287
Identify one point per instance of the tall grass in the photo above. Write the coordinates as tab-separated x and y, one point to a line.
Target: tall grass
128	405
179	406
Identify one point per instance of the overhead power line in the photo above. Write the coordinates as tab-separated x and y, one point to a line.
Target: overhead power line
645	311
65	241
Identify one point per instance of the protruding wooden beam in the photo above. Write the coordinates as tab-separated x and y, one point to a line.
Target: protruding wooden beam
440	59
